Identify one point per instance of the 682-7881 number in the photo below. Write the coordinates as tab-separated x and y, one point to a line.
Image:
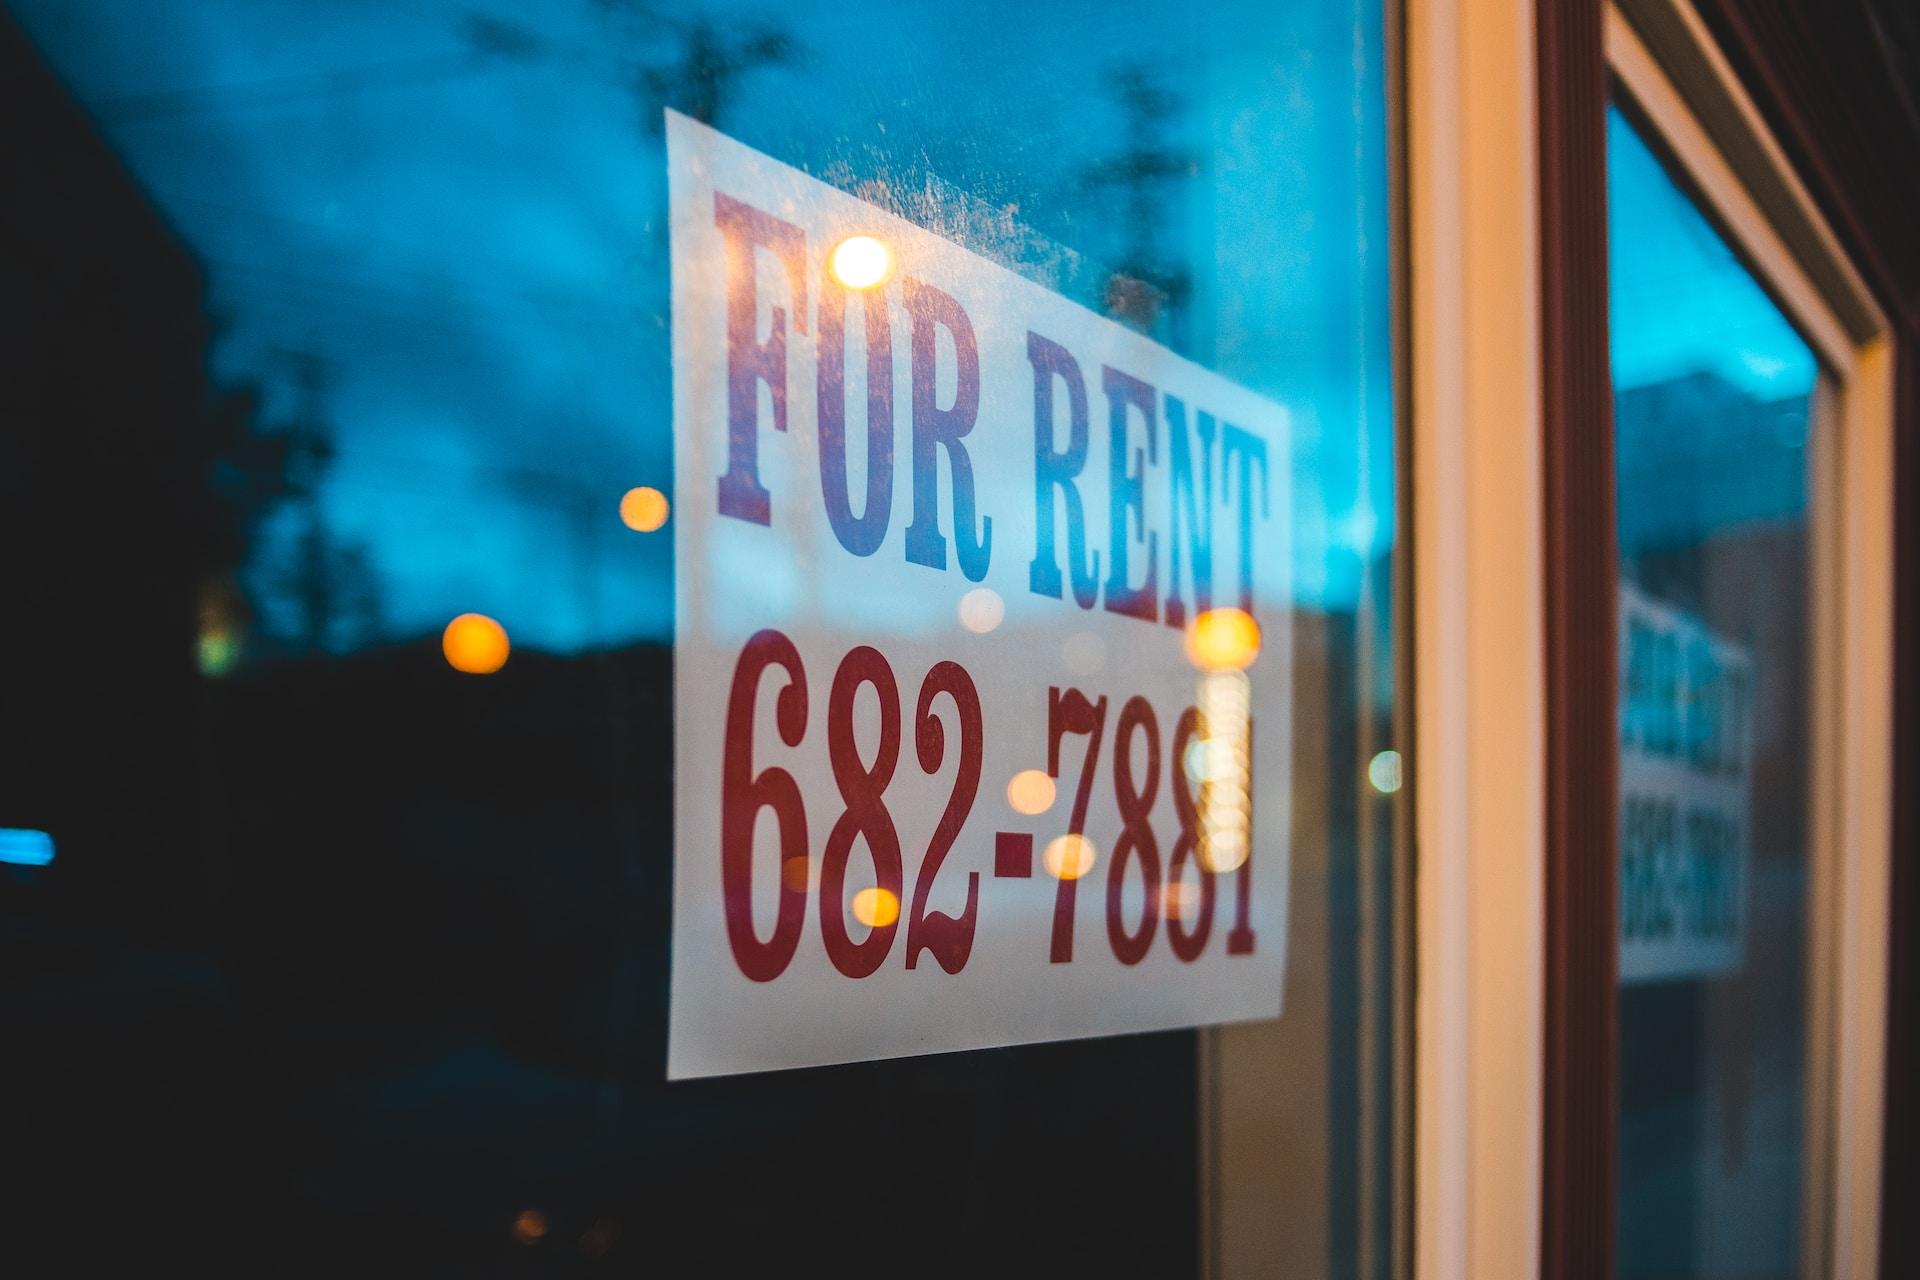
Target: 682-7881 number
864	814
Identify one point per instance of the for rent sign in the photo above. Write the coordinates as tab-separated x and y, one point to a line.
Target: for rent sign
1686	764
947	773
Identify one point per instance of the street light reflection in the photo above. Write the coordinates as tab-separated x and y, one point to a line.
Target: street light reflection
1205	761
1223	640
876	907
216	650
1383	771
475	644
1226	801
861	262
981	610
1030	791
1069	857
796	874
644	509
217	644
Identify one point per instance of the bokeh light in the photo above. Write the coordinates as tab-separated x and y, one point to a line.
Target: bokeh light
981	610
1206	760
1223	640
1225	699
1383	771
475	644
796	873
530	1227
217	644
876	907
1069	857
216	650
643	509
25	847
861	262
1030	791
1225	849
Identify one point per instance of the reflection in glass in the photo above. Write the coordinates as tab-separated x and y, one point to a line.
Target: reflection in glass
1030	791
475	644
338	340
861	262
644	509
1713	398
1069	857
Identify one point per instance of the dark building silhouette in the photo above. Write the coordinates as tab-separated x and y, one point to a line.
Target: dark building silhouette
106	520
115	1137
1674	439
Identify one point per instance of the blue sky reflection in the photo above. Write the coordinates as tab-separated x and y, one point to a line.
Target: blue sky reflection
455	215
1682	302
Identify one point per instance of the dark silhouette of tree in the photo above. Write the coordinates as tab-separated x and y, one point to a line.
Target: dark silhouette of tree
699	78
326	587
500	38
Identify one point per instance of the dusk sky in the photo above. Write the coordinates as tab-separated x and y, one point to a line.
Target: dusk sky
1682	301
465	228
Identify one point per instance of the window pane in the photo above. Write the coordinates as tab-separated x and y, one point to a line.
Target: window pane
1714	398
339	526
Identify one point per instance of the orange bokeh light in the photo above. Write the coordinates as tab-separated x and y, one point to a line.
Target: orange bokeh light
1069	857
876	907
1223	640
475	644
861	262
643	509
1030	791
797	874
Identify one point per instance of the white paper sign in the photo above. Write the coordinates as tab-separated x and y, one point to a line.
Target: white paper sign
1686	767
937	541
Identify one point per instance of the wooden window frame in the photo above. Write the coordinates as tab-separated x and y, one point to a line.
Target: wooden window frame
1664	58
1514	581
1479	684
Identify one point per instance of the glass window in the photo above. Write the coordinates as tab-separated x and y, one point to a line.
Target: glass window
1715	395
338	521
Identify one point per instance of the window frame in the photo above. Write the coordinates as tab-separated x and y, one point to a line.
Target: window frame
1499	93
1478	606
1663	58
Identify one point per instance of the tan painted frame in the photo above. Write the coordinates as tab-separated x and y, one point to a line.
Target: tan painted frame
1479	697
1478	771
1665	59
